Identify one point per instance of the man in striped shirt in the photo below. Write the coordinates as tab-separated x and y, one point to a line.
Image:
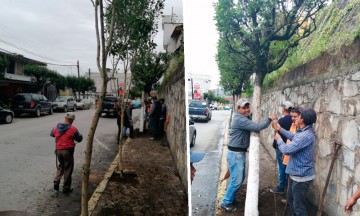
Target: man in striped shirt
301	163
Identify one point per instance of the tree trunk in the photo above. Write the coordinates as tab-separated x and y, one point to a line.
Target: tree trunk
252	191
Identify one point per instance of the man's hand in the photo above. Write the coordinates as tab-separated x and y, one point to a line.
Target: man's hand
276	125
277	136
273	117
349	204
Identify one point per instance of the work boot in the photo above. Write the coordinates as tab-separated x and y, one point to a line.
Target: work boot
277	190
56	186
67	191
229	208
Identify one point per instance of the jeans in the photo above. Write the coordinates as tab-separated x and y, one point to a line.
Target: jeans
236	163
297	197
282	176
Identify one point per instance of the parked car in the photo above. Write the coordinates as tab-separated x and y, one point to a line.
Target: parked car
226	108
192	135
82	103
64	103
32	103
6	115
199	110
110	105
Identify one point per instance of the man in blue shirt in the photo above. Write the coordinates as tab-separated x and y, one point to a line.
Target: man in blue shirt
285	122
301	164
241	127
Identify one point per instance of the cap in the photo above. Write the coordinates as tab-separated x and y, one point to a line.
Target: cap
70	115
287	105
242	102
196	156
309	116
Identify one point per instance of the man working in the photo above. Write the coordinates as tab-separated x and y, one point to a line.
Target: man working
285	122
301	162
239	142
65	136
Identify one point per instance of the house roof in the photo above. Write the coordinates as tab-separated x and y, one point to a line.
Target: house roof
21	58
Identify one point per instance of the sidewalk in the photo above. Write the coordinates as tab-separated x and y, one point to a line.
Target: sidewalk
150	187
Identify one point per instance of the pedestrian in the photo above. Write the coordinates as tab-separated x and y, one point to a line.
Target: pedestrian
195	156
162	116
128	120
241	127
154	115
65	136
351	202
285	122
301	163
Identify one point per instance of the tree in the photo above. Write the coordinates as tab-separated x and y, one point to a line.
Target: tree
4	64
262	34
58	80
39	75
149	69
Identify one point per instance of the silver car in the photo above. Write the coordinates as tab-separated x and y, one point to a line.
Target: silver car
64	103
83	103
192	135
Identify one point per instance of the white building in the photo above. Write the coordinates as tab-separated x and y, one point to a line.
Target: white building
172	26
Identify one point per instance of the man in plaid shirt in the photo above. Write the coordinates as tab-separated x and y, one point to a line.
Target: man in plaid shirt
301	164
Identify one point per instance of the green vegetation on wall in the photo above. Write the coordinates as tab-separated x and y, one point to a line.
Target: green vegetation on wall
176	62
338	25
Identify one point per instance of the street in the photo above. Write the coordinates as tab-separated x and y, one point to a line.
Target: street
209	139
27	163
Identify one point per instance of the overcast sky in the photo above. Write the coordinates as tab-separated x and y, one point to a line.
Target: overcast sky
58	32
201	39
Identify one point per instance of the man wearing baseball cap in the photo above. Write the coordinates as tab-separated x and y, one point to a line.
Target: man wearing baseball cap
65	136
285	122
301	163
239	142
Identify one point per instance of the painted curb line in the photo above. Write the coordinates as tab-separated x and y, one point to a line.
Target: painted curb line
223	170
95	197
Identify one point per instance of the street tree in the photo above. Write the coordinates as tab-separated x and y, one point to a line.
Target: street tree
4	64
263	33
58	80
104	35
38	74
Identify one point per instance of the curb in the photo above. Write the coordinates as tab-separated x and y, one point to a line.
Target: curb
95	197
223	170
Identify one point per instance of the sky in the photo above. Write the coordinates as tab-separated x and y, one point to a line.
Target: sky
201	39
57	32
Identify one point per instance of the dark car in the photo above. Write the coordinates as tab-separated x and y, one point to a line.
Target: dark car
110	105
32	103
6	116
199	110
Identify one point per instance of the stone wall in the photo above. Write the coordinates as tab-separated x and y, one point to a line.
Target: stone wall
174	94
335	97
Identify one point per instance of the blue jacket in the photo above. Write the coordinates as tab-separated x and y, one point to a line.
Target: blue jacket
241	127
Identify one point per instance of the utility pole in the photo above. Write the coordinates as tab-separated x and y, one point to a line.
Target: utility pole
192	88
89	72
78	68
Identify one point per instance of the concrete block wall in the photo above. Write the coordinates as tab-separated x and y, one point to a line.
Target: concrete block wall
174	95
336	99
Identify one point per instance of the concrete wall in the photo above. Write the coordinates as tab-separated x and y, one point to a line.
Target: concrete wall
335	97
174	94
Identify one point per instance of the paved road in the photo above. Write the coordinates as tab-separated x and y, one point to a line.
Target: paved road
209	139
27	163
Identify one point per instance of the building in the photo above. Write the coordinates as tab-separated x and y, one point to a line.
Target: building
172	26
14	80
114	85
198	85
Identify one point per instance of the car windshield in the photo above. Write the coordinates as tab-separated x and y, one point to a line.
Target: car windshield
19	98
60	99
197	104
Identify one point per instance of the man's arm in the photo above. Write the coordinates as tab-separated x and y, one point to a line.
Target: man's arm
352	201
247	124
78	136
52	133
299	142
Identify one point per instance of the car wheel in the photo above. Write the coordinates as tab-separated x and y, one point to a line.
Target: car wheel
74	108
51	111
192	143
8	118
65	109
38	112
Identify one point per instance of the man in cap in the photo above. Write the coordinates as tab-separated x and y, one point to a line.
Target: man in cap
65	136
301	163
195	156
285	122
239	142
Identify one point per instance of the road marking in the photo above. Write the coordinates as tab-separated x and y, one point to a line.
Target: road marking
101	144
